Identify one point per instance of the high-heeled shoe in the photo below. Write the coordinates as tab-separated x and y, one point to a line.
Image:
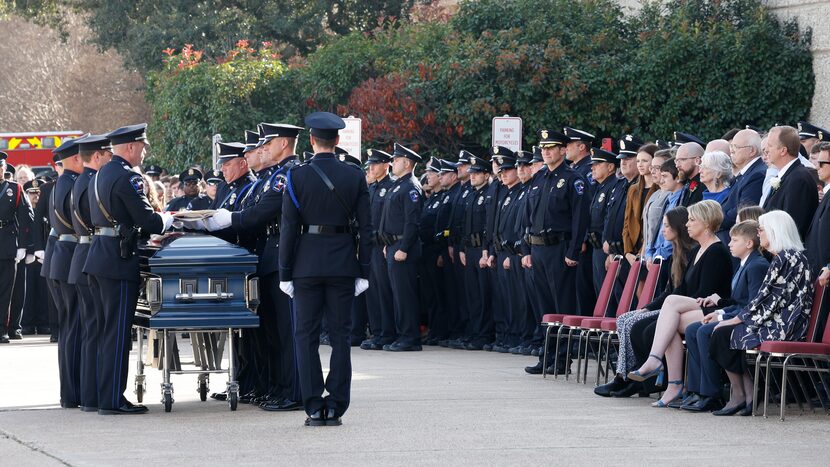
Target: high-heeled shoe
661	405
637	376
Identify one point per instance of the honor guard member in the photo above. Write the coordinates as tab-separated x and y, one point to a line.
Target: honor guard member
118	209
213	182
398	230
381	309
604	166
487	262
193	199
433	312
459	327
323	266
344	156
810	134
16	219
69	325
450	190
275	312
94	151
476	280
524	170
154	172
44	242
557	212
35	319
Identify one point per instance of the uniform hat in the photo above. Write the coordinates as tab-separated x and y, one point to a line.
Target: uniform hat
324	125
10	169
190	174
601	155
434	165
68	148
403	151
524	157
3	156
464	157
32	185
269	131
349	159
808	130
578	135
478	164
683	138
504	157
630	144
664	144
537	155
153	170
447	166
251	140
551	138
376	156
129	134
93	143
228	151
214	176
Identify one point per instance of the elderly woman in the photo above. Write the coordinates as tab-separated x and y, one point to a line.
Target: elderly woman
780	311
715	174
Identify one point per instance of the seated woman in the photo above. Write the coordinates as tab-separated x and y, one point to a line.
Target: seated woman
703	375
780	311
715	173
709	272
674	230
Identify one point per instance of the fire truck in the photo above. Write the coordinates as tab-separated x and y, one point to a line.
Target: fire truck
34	149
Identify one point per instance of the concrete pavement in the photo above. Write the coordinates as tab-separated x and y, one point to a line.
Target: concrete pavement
437	407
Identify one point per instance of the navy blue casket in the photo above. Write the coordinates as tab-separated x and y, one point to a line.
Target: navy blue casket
197	281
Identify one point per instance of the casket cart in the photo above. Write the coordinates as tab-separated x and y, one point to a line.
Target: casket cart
198	284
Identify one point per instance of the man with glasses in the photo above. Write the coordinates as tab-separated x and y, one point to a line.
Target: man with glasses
749	172
193	199
688	168
817	249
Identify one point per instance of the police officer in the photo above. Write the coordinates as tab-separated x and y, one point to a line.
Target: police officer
154	172
16	219
441	328
276	342
459	326
379	296
493	198
118	208
557	215
612	234
398	229
44	242
528	327
69	330
578	152
94	152
192	199
322	266
604	166
431	287
213	182
35	319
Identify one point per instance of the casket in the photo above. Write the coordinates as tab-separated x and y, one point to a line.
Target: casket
196	281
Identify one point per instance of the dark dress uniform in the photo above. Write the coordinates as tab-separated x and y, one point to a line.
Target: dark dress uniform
460	324
586	296
379	295
399	228
494	195
319	254
16	219
35	317
433	312
189	203
440	328
44	242
113	266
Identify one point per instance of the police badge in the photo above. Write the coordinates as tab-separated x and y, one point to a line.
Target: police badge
601	198
464	195
232	198
560	183
382	192
506	201
9	192
396	189
480	200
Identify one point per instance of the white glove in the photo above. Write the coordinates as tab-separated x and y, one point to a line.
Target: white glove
21	253
167	219
39	254
360	286
287	287
220	219
30	259
194	224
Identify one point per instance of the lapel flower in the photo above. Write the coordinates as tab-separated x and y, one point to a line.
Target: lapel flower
775	183
693	185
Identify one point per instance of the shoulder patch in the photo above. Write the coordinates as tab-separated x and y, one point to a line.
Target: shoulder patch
279	183
579	186
414	195
138	183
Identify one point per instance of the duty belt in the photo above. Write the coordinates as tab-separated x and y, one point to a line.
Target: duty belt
106	232
595	239
547	238
272	230
84	239
389	239
4	223
474	240
53	233
324	229
72	238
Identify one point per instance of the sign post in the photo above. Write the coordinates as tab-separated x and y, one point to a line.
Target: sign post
507	132
350	136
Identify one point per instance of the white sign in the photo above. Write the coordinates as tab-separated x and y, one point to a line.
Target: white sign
350	136
507	132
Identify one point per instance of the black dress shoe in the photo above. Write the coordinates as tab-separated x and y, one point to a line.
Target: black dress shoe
535	369
53	338
399	347
444	343
458	344
316	419
220	396
501	348
705	404
728	412
28	331
690	399
69	405
487	347
535	351
247	398
606	389
88	409
4	338
16	336
477	346
126	409
332	419
282	405
44	330
631	388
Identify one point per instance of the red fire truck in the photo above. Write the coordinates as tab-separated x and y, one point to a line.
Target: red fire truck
33	149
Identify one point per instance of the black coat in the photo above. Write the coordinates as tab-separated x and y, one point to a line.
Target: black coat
797	196
16	220
817	248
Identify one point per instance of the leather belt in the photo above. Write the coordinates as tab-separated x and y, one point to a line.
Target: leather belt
324	229
68	238
595	239
475	240
389	239
547	239
106	232
84	239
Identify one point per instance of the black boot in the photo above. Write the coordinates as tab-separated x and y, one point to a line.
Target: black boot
606	389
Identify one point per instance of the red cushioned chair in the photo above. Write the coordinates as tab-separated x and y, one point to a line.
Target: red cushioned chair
816	348
608	326
572	322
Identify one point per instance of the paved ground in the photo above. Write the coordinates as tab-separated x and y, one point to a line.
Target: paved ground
437	407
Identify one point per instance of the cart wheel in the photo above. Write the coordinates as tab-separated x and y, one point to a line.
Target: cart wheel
168	402
233	400
203	390
139	392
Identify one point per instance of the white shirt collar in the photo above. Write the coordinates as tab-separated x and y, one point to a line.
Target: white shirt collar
747	166
826	188
786	167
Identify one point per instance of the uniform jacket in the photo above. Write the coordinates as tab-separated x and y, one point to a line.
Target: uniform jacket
613	230
402	212
189	203
16	219
60	215
82	223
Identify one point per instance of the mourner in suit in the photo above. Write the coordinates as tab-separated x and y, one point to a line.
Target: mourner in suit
817	247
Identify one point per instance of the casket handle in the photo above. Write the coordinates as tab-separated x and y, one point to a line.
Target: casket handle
204	296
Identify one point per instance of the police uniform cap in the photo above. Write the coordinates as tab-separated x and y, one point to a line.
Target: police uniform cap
601	155
214	176
346	157
478	164
3	156
270	131
664	144
578	135
434	165
630	144
807	130
32	185
551	138
93	143
376	156
403	151
324	125
681	138
524	157
504	157
537	154
448	166
153	170
10	169
230	150
464	157
68	148
128	134
251	140
190	174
